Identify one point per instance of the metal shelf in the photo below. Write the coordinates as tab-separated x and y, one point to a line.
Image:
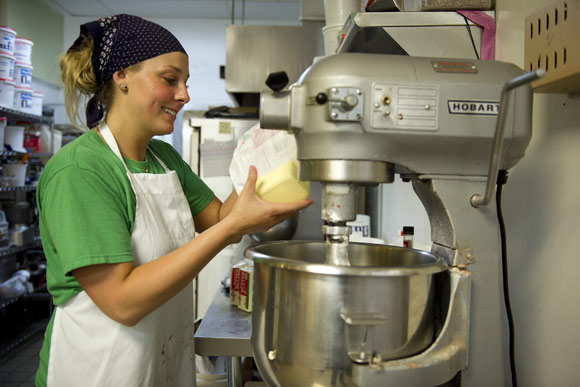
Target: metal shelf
27	188
15	114
4	302
30	331
17	249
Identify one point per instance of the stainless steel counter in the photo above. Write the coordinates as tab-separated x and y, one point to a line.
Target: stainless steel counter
225	330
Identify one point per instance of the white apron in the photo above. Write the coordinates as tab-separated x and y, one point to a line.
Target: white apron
89	349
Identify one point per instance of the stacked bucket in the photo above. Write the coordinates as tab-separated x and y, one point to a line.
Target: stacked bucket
16	74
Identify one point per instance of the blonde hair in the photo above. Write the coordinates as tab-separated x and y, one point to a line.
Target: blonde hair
80	82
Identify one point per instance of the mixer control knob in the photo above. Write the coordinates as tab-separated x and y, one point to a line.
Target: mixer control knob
321	98
277	81
349	102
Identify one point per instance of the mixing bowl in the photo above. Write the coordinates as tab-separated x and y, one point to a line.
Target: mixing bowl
311	321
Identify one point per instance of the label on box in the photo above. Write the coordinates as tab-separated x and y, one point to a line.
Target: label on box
245	298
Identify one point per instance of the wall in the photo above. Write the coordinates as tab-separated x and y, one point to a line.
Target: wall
34	20
542	218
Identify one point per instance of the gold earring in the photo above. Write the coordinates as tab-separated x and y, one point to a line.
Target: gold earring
124	87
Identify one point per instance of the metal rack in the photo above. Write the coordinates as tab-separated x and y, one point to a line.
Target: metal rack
15	309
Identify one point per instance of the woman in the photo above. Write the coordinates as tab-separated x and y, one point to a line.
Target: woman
118	212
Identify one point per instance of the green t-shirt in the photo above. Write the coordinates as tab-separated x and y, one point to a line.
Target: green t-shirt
87	206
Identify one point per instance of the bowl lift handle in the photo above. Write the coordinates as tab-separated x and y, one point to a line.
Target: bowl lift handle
478	200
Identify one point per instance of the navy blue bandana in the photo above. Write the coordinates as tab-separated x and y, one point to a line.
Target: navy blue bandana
118	42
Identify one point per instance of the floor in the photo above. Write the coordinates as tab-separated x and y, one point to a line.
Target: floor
18	366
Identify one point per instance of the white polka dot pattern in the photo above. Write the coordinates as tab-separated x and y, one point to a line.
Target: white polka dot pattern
124	40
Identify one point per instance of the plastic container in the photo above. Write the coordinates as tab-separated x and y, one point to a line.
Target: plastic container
23	50
18	171
22	75
37	100
361	226
408	235
23	99
331	35
337	11
7	93
14	137
32	140
7	40
7	63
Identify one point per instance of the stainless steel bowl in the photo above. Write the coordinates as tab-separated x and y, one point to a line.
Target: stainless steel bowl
282	231
311	321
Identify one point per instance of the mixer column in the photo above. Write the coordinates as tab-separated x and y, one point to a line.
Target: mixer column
338	207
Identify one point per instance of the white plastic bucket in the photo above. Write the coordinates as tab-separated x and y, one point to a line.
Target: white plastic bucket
17	170
7	66
23	99
23	50
37	98
7	40
14	136
337	11
6	93
331	38
23	75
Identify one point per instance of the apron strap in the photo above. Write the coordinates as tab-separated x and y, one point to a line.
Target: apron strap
112	143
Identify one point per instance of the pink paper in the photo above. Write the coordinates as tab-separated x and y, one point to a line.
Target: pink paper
488	38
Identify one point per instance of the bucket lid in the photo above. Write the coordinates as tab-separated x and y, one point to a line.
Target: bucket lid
8	29
9	81
7	55
22	89
22	64
24	41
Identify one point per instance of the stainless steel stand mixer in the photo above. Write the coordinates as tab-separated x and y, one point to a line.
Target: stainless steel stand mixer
334	313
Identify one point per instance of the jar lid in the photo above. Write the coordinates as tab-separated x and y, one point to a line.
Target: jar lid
25	41
8	29
7	80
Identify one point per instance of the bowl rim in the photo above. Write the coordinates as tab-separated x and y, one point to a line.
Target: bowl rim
437	264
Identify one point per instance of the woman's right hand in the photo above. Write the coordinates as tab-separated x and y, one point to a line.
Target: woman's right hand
250	214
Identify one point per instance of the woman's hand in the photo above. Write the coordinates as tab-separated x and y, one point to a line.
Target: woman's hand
250	214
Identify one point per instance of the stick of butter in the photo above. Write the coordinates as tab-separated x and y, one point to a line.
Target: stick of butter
281	185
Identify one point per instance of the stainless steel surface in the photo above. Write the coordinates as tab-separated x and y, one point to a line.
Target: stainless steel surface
234	369
439	5
310	320
338	202
253	52
225	330
352	171
442	360
412	138
282	231
479	200
438	34
432	120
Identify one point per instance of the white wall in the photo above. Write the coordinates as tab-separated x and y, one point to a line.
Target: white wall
542	215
